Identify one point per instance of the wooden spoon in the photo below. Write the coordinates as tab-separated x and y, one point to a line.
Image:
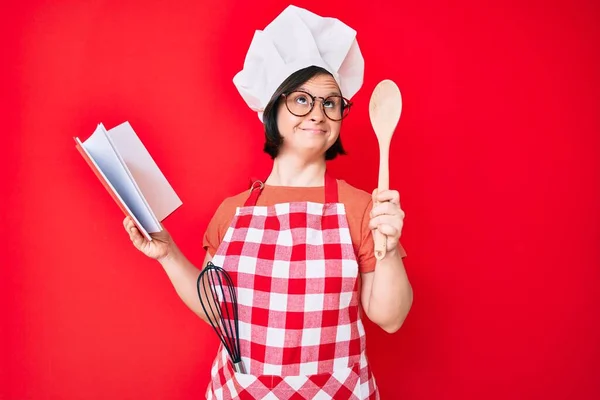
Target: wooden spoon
384	109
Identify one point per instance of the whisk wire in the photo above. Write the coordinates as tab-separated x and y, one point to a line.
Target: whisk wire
231	325
208	285
224	322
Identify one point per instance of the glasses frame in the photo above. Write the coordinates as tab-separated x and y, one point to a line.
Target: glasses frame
348	104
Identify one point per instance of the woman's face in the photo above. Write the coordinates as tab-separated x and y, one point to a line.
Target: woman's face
313	134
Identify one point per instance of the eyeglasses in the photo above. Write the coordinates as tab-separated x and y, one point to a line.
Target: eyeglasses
301	103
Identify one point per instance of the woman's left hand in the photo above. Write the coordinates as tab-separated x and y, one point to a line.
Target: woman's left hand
387	216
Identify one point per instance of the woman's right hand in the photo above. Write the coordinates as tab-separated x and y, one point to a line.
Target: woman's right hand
158	248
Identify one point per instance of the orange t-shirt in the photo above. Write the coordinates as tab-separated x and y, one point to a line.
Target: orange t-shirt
358	204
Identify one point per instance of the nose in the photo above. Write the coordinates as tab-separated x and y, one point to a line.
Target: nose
317	113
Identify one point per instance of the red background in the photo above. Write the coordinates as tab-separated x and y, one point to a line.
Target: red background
496	158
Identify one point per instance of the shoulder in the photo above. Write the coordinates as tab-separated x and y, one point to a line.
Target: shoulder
228	206
353	196
220	221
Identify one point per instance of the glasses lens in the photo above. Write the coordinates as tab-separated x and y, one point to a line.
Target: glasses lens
335	107
298	103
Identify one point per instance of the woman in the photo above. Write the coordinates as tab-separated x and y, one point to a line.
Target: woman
300	244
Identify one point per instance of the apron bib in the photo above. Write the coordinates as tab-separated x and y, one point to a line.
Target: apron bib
296	277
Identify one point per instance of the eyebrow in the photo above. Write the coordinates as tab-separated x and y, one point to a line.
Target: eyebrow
303	89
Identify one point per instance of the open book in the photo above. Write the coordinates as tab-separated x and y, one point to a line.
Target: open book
130	175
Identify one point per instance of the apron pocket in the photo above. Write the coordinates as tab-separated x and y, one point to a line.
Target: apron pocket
342	384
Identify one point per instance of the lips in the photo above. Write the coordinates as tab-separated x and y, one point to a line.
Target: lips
312	130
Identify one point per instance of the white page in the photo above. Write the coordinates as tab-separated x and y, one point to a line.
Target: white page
155	188
102	153
112	189
131	178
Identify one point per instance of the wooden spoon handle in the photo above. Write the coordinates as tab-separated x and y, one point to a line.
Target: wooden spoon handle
383	184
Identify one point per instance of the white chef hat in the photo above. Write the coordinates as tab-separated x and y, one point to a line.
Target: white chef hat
297	39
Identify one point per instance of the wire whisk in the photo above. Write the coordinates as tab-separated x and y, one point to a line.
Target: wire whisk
218	299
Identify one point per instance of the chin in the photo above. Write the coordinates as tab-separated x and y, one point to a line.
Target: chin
312	152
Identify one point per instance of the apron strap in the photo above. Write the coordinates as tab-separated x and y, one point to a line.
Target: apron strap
255	189
331	191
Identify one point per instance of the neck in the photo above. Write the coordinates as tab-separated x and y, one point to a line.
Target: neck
292	171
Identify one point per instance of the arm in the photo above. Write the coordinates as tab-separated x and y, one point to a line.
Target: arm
184	277
386	293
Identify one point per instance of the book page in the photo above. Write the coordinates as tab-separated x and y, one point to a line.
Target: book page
157	191
109	187
101	151
131	178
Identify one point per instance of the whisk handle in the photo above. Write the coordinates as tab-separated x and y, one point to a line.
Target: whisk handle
239	367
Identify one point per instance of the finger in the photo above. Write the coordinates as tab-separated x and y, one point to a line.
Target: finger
131	228
128	223
136	237
388	195
386	208
388	230
385	220
134	231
